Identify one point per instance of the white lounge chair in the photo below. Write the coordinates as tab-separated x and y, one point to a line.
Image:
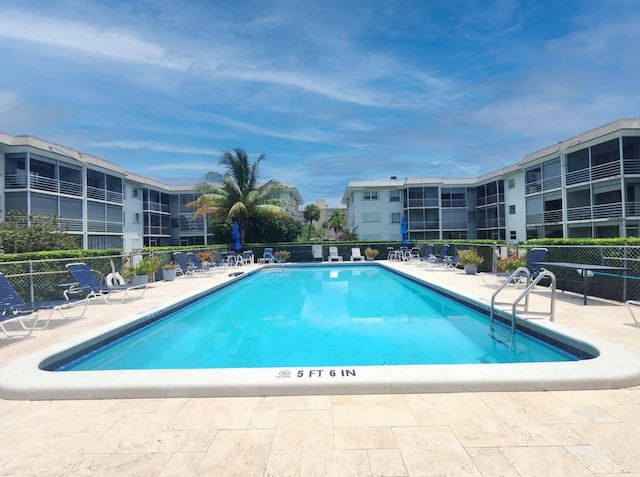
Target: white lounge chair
356	255
333	255
317	253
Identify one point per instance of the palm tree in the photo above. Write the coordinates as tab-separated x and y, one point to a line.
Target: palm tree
311	212
237	195
337	222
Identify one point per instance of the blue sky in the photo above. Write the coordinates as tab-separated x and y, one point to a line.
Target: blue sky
330	91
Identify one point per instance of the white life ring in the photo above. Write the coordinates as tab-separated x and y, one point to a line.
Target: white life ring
114	279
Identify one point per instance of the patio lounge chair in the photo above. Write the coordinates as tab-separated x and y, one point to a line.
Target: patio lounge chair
198	267
87	282
317	253
356	255
12	306
267	256
441	258
333	254
534	256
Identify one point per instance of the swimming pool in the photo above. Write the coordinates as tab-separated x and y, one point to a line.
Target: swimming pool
29	378
316	316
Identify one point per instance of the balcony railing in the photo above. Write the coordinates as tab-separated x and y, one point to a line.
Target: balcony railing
37	182
103	194
552	183
424	225
579	213
576	177
154	207
553	216
156	230
603	211
104	227
72	225
632	209
535	218
533	187
608	169
632	166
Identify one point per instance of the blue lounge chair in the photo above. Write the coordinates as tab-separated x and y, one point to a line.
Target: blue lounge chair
441	258
267	256
13	307
197	265
532	264
87	282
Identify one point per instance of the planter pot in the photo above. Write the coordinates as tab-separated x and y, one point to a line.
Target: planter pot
369	258
169	275
470	268
139	279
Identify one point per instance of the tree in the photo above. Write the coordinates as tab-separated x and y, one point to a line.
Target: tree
337	222
22	232
311	213
237	195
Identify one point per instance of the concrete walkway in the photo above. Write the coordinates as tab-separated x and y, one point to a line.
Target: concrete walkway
564	433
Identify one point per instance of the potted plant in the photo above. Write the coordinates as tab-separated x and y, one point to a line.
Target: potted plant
470	259
371	253
139	273
169	272
511	263
282	255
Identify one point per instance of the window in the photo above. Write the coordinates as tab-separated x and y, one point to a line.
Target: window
394	196
512	183
370	195
396	217
371	217
135	193
513	235
136	217
512	210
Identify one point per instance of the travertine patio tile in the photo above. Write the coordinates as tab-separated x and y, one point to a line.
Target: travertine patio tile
594	414
386	463
372	410
617	441
423	408
526	407
328	463
284	463
491	461
594	460
109	465
215	413
364	438
268	410
57	443
50	420
627	413
303	430
547	435
182	464
601	397
433	451
237	453
319	402
545	462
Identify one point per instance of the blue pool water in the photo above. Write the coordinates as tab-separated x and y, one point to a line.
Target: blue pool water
315	316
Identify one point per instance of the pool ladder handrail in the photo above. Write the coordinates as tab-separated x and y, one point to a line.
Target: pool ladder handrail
516	278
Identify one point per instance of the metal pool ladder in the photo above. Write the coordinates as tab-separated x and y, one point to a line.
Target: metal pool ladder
507	337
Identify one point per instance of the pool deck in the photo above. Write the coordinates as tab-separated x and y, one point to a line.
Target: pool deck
592	432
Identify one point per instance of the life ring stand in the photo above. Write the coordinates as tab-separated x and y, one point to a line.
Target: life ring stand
114	279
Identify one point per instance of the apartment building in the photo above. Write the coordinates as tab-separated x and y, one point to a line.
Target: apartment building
584	186
100	202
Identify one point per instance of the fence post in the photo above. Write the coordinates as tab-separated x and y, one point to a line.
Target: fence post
624	280
31	291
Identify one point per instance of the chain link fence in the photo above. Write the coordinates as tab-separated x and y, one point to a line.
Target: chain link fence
43	280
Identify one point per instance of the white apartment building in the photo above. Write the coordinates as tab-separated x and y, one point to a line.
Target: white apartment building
97	200
584	186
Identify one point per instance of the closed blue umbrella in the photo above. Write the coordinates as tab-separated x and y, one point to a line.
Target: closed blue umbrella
403	231
235	235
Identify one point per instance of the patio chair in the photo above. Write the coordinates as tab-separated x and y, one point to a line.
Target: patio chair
532	264
14	308
333	254
317	253
441	258
198	267
356	255
87	282
267	256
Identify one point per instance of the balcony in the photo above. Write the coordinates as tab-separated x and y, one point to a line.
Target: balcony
609	169
551	216
577	177
104	227
605	211
579	213
155	207
103	194
37	182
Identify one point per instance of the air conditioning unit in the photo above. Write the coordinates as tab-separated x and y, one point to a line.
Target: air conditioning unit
132	245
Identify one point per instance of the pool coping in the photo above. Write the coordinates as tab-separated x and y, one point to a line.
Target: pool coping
613	367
